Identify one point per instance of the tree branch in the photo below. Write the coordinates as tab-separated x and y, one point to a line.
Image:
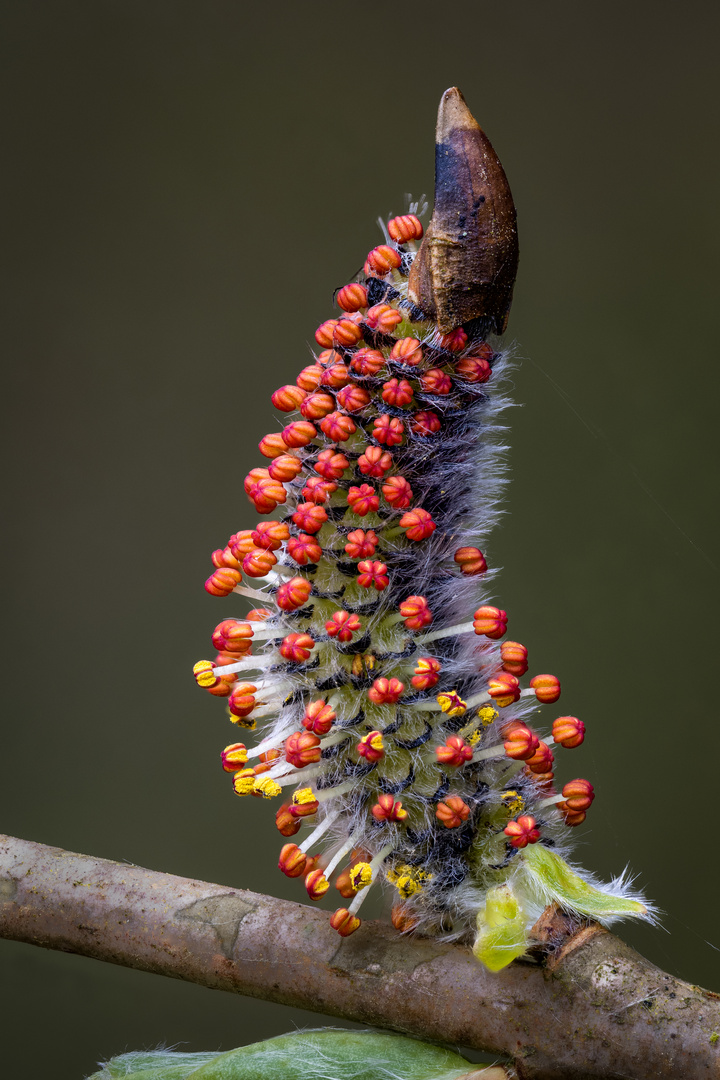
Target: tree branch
592	1007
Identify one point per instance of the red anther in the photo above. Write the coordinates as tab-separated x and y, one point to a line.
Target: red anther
426	673
299	433
397	392
292	861
542	760
309	517
273	445
473	369
375	462
324	333
293	594
343	884
297	647
240	543
543	781
361	544
352	398
402	920
345	923
490	621
258	562
578	795
285	823
328	357
270	535
223	581
455	341
224	557
568	731
317	405
573	817
343	625
242	700
455	751
285	468
346	333
363	500
258	614
383	317
331	465
337	426
302	748
310	376
470	560
371	746
304	549
452	811
436	381
504	689
336	376
234	756
266	761
546	687
313	863
397	492
386	809
352	297
373	575
388	430
418	524
319	717
425	422
405	228
522	831
483	351
263	491
416	612
407	351
514	658
317	490
288	398
233	637
367	362
386	691
316	884
520	743
381	260
303	807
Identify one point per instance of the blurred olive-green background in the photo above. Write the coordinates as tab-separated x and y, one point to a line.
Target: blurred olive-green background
185	185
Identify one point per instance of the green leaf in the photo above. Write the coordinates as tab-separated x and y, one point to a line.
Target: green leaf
327	1053
552	879
501	926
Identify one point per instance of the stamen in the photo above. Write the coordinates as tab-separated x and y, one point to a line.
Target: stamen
374	866
319	831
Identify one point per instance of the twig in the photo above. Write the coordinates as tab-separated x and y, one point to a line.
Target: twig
592	1008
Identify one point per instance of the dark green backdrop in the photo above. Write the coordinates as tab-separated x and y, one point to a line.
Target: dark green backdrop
186	184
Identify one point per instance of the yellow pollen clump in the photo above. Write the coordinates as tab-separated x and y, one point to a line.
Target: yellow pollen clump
243	721
487	714
303	795
408	880
266	787
513	801
360	875
452	703
474	737
377	742
204	673
407	886
244	781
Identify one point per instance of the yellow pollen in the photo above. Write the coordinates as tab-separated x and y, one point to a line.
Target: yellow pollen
360	875
407	886
204	673
244	781
266	787
474	737
452	703
377	742
487	714
243	721
303	795
513	801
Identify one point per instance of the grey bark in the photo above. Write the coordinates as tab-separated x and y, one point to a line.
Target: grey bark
591	1007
